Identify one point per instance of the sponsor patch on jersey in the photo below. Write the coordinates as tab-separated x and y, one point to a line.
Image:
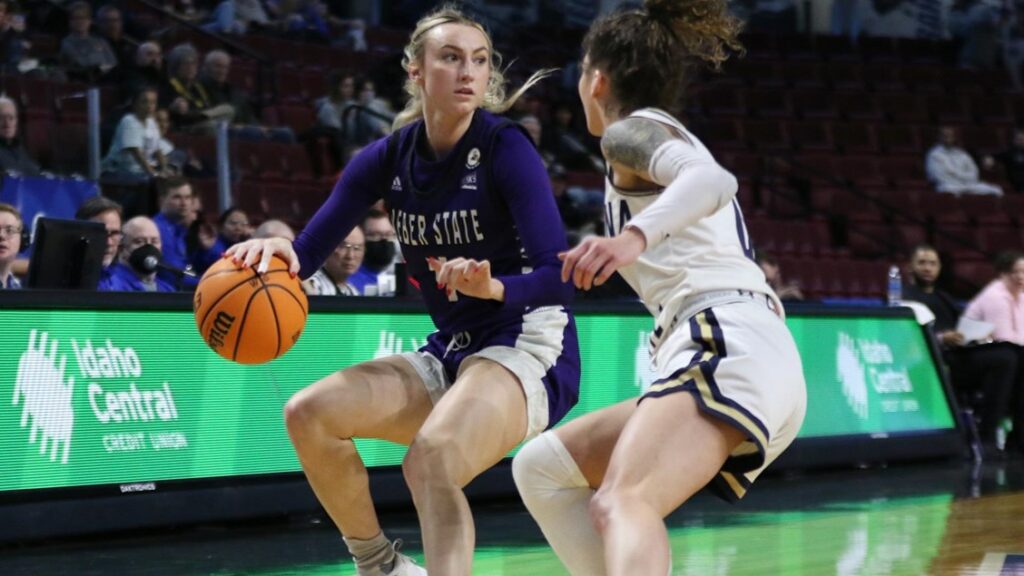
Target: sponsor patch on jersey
473	158
396	184
469	181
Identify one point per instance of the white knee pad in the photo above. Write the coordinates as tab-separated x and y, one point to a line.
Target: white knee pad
544	465
558	496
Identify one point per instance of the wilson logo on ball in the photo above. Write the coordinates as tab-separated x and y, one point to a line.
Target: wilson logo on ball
221	326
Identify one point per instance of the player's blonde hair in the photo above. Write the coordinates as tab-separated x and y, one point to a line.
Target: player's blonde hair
648	53
495	99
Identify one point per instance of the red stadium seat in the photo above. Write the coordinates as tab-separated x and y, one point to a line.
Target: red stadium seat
859	106
771	103
811	136
855	137
904	108
814	104
950	109
899	138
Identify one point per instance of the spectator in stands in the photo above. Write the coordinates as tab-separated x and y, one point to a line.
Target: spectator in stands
1001	304
274	229
177	212
330	114
175	160
185	9
110	25
951	169
577	220
147	70
85	57
109	213
10	244
773	16
127	275
341	92
903	18
214	79
564	141
13	45
773	275
376	276
373	121
238	17
332	279
189	102
533	127
978	26
987	369
232	228
135	155
846	17
14	158
1012	160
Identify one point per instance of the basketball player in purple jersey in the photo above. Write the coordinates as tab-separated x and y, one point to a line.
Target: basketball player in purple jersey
472	206
729	395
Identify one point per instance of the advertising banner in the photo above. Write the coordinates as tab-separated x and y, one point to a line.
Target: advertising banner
93	397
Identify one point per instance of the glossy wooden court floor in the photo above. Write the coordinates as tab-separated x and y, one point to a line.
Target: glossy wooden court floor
936	519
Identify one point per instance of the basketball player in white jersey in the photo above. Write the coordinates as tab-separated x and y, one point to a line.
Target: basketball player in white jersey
729	395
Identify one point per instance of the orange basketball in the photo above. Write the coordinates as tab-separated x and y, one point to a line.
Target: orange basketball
248	317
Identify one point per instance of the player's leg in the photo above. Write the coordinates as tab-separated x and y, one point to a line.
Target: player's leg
734	391
477	422
667	452
384	399
557	473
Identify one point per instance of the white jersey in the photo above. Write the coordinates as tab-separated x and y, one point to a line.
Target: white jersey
712	255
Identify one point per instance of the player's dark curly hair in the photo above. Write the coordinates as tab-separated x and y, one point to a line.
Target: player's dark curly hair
649	53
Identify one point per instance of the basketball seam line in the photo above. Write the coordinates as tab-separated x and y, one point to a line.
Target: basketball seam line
273	309
245	316
223	295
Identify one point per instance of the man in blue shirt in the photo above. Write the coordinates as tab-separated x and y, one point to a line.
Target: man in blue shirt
109	213
10	244
124	277
176	213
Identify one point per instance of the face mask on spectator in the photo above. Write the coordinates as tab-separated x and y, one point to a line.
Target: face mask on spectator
379	254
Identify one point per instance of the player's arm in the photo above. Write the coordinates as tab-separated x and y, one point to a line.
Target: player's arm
523	181
695	185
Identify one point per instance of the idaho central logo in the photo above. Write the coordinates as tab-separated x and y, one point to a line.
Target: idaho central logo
45	398
851	375
473	158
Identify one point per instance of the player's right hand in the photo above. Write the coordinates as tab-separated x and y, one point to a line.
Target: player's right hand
259	251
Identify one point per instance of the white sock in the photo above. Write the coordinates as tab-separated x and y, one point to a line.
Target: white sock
374	552
558	496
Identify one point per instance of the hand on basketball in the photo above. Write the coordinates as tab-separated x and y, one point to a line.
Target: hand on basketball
467	276
259	251
595	259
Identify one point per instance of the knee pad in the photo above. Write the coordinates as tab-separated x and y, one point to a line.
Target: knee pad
545	465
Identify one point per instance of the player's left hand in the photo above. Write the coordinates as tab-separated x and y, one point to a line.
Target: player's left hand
467	276
595	259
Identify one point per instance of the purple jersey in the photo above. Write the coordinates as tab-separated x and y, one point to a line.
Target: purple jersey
489	199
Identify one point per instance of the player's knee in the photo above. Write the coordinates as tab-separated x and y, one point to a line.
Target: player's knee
299	414
534	467
605	504
429	462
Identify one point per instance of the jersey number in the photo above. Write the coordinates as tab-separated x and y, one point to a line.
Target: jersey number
741	231
624	218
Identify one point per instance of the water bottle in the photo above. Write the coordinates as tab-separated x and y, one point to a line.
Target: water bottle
895	287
